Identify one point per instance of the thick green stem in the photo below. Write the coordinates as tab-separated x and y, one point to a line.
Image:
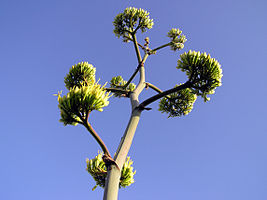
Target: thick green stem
113	178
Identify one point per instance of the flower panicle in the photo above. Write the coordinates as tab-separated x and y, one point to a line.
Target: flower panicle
177	39
97	169
204	72
84	96
128	22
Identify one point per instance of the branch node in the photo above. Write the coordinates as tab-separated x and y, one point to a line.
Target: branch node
108	160
141	107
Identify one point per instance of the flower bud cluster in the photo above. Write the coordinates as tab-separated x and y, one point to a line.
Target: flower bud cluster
204	72
118	82
177	40
131	20
97	169
178	103
127	173
84	96
79	74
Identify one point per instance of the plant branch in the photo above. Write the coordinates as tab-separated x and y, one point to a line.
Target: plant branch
165	93
141	84
153	87
118	90
140	45
133	75
162	46
136	71
113	177
136	48
96	136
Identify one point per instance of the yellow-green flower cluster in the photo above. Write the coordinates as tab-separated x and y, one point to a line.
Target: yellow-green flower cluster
97	169
177	40
204	72
80	74
127	173
79	101
178	103
118	82
84	96
130	21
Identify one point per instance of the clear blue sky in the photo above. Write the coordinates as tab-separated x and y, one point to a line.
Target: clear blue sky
217	152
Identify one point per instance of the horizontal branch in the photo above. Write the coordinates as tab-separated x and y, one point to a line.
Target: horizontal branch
162	46
118	90
163	94
153	87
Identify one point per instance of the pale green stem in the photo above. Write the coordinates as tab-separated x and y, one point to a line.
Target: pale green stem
141	84
162	46
153	87
137	70
113	177
137	42
132	77
136	48
118	90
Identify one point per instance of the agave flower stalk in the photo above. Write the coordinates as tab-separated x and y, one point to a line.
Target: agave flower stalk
86	95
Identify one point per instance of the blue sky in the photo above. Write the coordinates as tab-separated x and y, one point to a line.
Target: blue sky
217	152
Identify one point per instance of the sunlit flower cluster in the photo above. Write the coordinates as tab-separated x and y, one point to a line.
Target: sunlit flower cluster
118	82
177	40
80	74
130	21
204	72
178	103
98	170
84	96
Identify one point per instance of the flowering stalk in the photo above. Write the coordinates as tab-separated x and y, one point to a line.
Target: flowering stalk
86	95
